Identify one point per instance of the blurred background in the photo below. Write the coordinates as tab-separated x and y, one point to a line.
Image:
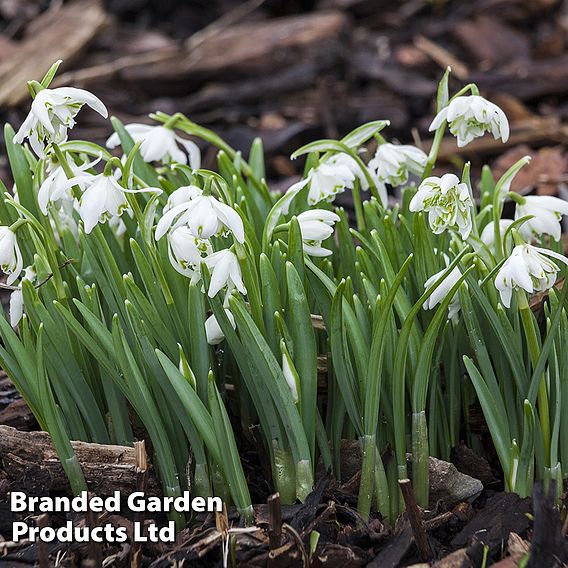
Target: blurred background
292	71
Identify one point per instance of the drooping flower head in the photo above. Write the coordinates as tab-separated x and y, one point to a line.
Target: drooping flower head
11	261
392	163
472	116
226	272
205	216
186	251
17	299
52	113
528	268
547	214
160	144
447	202
316	225
103	197
333	176
213	330
55	188
488	234
443	290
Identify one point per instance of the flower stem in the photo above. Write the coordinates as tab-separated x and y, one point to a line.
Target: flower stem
534	351
368	447
420	476
359	216
433	155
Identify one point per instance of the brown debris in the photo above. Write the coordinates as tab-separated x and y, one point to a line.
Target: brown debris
544	172
30	461
490	42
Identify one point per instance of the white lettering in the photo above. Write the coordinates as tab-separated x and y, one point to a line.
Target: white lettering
136	502
19	529
18	501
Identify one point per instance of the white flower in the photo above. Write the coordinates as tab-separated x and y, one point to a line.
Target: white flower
205	215
52	113
103	198
160	144
447	202
316	225
547	211
442	291
528	268
11	261
56	189
470	117
333	176
17	298
226	271
488	233
186	251
182	195
213	330
393	162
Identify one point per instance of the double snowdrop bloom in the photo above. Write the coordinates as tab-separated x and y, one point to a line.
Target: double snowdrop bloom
528	268
213	330
333	176
182	195
11	261
472	116
205	215
316	225
186	251
55	188
488	234
547	214
102	199
52	113
442	291
226	272
392	163
447	202
160	144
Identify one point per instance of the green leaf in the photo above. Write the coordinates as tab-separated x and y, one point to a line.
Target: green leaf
365	132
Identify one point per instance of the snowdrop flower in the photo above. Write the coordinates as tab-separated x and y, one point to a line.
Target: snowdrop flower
186	251
528	268
160	144
103	198
547	214
52	113
17	298
56	189
213	330
316	225
226	271
205	215
470	117
393	162
442	291
447	202
182	195
11	261
488	234
333	176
